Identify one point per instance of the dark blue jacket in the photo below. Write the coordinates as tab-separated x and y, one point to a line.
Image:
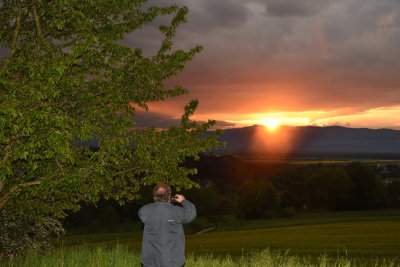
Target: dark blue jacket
163	237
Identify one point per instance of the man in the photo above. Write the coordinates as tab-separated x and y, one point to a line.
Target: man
163	237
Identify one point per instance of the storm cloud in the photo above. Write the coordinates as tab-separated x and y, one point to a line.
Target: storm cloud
160	120
293	55
287	8
260	56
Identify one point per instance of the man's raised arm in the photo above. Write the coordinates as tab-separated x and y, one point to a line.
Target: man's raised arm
188	212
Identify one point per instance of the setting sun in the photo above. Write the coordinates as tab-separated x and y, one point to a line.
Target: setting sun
271	124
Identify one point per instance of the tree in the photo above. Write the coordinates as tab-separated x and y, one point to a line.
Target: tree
67	78
330	188
291	184
393	194
369	190
257	199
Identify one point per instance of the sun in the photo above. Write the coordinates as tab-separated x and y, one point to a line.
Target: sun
271	124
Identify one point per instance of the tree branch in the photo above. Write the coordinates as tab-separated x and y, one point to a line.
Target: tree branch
37	23
4	199
125	171
2	184
16	30
7	148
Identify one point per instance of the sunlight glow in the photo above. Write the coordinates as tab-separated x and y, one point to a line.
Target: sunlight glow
272	121
271	124
377	118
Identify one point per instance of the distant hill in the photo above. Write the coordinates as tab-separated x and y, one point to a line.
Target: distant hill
303	140
306	142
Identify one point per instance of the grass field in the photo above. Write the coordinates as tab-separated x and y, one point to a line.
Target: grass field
119	256
338	239
368	234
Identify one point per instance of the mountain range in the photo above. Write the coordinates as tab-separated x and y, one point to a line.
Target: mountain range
308	140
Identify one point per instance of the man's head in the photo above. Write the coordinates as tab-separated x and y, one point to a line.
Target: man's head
162	193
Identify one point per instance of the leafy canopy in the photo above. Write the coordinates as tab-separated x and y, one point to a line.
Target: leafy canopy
67	78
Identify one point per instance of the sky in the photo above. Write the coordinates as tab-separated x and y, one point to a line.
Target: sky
314	62
283	62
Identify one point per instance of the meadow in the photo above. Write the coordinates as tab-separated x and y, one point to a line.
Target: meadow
363	238
120	256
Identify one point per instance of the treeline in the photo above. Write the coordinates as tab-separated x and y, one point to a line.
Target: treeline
256	190
229	185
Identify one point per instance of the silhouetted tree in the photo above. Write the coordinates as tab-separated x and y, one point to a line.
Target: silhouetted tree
291	184
393	194
369	191
330	188
255	198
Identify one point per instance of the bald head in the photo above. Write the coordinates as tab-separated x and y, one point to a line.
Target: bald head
161	193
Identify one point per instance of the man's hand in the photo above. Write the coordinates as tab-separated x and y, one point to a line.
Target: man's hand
179	198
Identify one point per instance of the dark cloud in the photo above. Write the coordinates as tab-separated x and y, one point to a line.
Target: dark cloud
338	53
224	124
212	15
205	16
282	55
289	8
160	120
151	119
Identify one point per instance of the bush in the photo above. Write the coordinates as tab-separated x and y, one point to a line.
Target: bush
268	214
240	215
22	232
257	197
287	212
393	195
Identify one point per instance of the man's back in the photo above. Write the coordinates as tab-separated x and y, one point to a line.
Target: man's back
163	237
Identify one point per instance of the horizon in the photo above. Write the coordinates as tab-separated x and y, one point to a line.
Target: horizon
276	128
321	142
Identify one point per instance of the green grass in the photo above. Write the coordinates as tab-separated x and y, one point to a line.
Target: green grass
360	239
369	238
120	256
363	235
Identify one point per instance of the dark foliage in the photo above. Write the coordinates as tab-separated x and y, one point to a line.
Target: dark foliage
21	232
229	185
